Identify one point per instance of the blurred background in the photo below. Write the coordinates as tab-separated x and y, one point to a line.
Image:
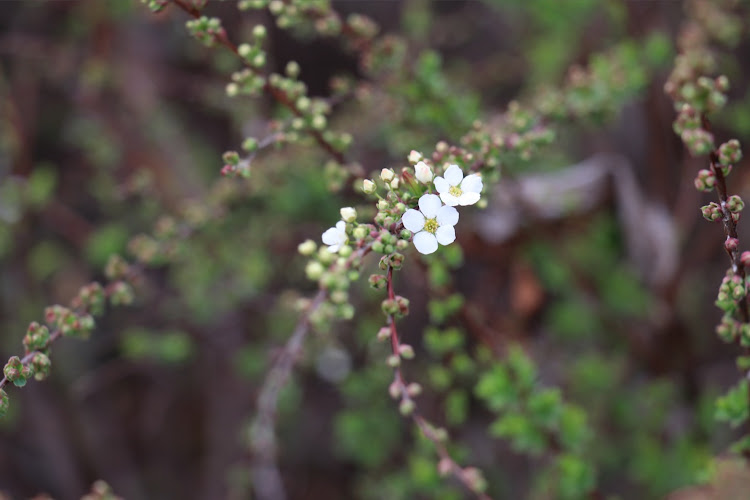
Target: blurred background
112	125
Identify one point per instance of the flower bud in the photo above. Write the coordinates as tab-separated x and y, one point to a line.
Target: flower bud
423	172
368	186
377	281
415	156
414	389
244	50
387	175
406	351
307	247
314	270
259	32
406	407
731	244
393	361
384	333
348	214
395	183
735	203
394	389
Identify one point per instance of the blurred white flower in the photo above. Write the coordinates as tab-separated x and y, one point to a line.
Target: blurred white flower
431	224
335	237
455	189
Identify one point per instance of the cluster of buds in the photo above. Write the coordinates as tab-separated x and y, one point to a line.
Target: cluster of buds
731	290
40	364
18	373
121	293
730	331
730	152
37	337
90	298
117	268
234	166
246	82
690	129
705	180
253	54
397	307
68	322
205	29
711	212
705	94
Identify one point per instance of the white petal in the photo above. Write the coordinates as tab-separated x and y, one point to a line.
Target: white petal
446	235
413	220
341	226
425	242
441	185
429	204
333	248
447	216
468	199
449	199
472	184
331	236
453	175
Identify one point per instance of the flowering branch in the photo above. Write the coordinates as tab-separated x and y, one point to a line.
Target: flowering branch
76	321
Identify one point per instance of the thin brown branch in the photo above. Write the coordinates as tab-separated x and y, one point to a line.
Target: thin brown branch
465	475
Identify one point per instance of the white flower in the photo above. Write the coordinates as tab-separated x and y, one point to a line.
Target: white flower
431	224
455	189
348	214
335	237
423	172
415	156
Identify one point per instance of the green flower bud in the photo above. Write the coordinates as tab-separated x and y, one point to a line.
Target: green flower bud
41	366
314	270
307	248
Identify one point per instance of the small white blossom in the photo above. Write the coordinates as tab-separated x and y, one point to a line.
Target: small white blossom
423	172
368	186
387	174
395	183
335	237
431	224
415	156
348	214
455	189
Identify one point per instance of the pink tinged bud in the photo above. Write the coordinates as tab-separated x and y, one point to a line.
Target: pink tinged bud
445	465
384	334
406	351
415	156
731	244
423	172
745	258
395	389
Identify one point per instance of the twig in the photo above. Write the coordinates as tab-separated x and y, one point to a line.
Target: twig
467	476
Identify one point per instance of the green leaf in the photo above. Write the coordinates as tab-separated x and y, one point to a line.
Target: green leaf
733	407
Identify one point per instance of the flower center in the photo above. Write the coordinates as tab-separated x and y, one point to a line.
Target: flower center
431	225
455	191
